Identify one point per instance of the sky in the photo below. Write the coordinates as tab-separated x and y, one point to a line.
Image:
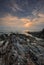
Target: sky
21	15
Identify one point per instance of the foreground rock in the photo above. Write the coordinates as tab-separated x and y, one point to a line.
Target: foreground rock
20	49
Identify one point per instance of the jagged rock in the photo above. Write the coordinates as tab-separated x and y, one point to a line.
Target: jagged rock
17	49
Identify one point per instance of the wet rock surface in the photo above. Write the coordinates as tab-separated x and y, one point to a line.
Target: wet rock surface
20	49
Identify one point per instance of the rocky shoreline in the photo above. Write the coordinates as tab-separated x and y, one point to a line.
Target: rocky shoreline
20	49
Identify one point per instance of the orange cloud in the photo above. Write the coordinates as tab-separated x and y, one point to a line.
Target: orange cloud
21	23
28	24
8	20
41	15
25	20
15	21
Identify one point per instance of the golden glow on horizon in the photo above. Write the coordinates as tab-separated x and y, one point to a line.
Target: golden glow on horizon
28	24
12	21
15	21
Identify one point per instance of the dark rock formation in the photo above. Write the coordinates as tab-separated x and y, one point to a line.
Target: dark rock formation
16	49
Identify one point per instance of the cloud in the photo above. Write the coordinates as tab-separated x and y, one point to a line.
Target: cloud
41	15
21	14
20	8
12	22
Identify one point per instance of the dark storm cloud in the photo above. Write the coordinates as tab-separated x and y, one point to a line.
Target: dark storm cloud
20	8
